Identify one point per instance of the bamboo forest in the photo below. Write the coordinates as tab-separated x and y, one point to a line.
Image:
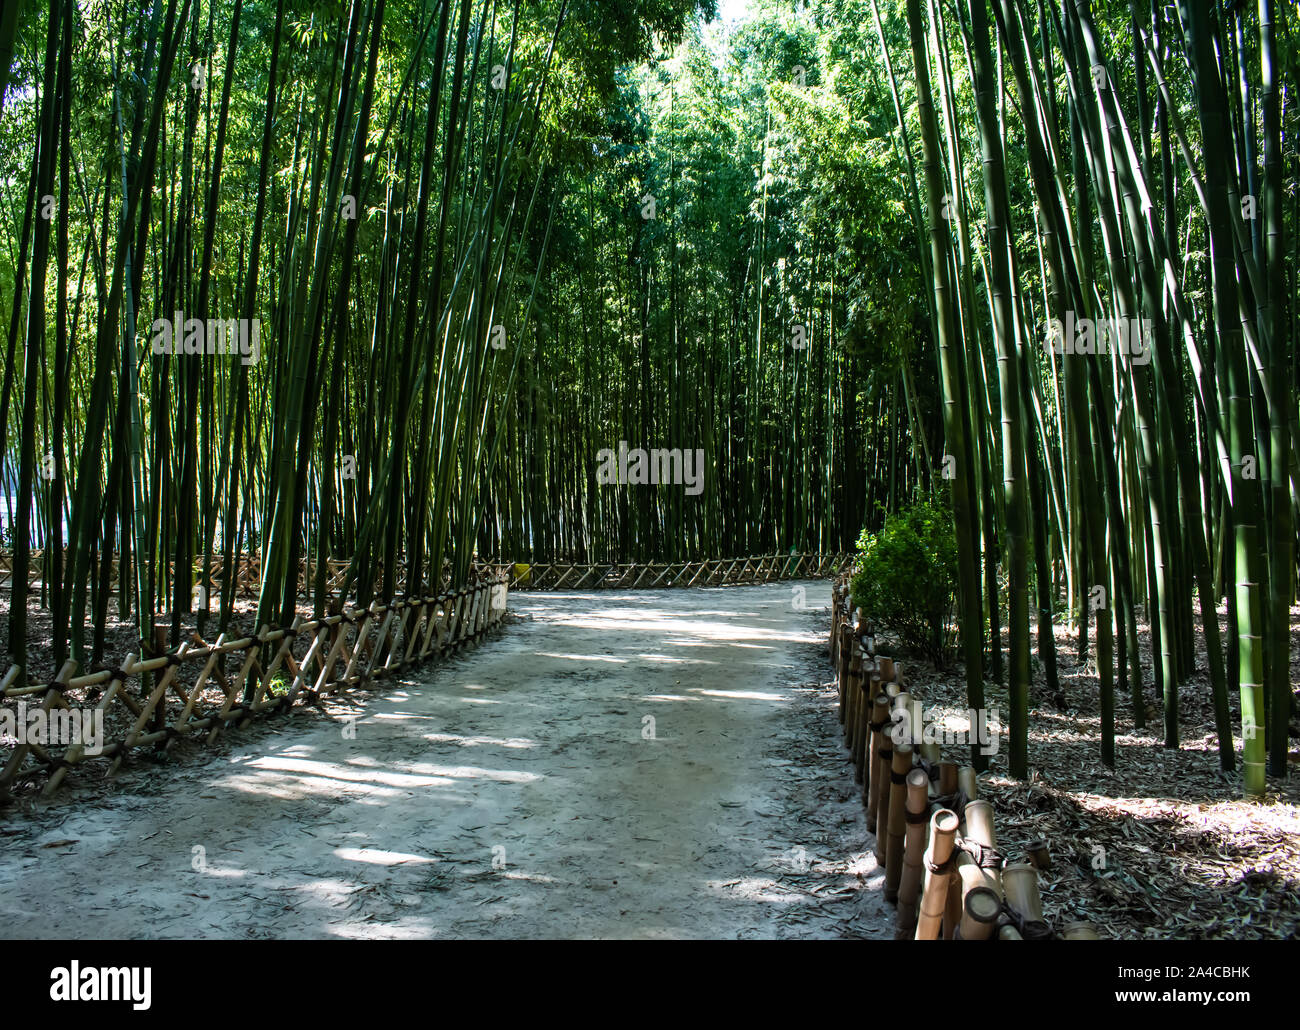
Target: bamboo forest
650	469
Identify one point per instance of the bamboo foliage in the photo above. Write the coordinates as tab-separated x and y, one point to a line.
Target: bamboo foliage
1169	443
344	210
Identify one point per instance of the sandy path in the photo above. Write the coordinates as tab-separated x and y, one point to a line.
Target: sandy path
516	791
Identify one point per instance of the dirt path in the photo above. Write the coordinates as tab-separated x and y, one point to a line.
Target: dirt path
617	765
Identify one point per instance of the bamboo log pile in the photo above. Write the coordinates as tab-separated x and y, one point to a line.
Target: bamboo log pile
934	836
203	688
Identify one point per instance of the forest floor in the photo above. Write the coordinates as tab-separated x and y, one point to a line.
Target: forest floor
1162	846
660	764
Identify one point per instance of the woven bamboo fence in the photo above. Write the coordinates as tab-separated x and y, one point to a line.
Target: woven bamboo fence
650	575
201	689
934	835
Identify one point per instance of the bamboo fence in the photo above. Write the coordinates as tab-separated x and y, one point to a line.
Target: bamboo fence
651	575
199	690
522	576
934	836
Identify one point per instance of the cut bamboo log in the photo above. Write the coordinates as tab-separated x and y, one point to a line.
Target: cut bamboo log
979	830
938	871
866	734
852	693
969	873
837	597
952	904
1020	888
902	762
881	758
872	733
967	783
917	816
862	719
843	670
884	772
980	911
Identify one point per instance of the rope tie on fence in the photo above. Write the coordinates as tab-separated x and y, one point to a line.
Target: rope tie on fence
1030	929
956	801
985	857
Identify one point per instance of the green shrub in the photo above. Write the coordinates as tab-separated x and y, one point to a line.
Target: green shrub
906	579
